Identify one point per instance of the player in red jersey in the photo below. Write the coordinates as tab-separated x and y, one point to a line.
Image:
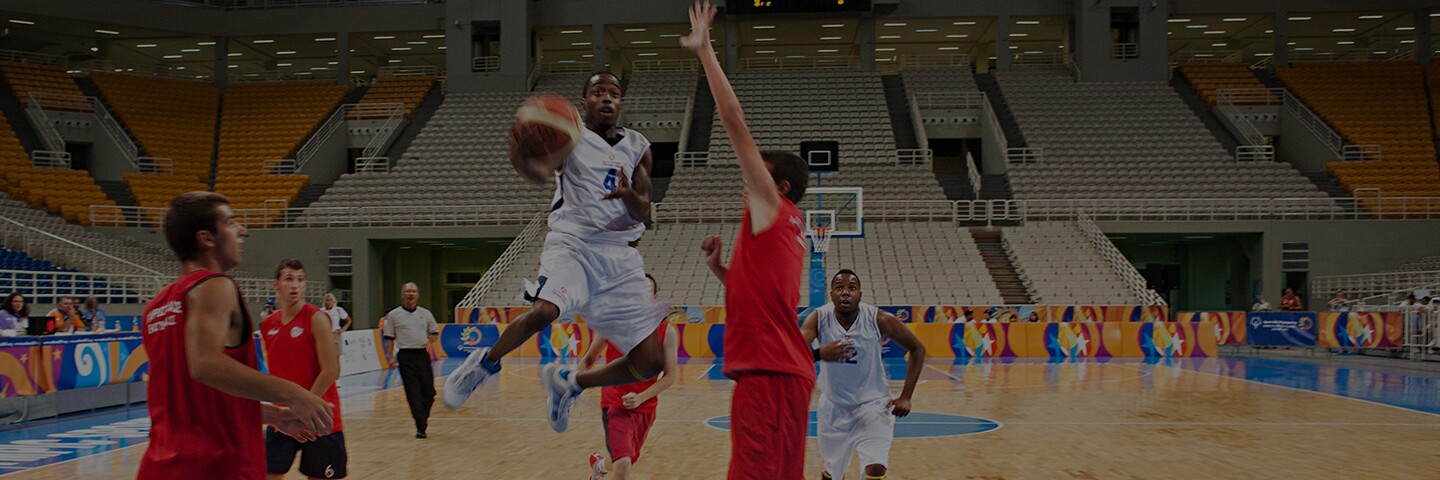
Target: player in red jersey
628	411
204	390
773	368
301	349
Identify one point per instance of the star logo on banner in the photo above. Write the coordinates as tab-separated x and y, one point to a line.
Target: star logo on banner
987	345
1176	343
1081	344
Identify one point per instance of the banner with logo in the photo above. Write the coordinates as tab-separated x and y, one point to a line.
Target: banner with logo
1281	329
35	365
1229	325
1361	329
361	352
906	314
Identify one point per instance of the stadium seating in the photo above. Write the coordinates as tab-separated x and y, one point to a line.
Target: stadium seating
662	84
268	121
1127	140
1374	103
23	78
1423	265
1207	77
784	108
938	79
148	255
1061	267
172	119
407	90
17	260
881	183
1432	83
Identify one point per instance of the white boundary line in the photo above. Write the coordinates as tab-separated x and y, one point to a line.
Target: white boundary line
1328	394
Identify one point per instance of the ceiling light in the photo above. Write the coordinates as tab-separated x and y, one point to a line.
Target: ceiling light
1033	52
794	56
439	35
889	37
384	37
947	49
1291	44
1378	52
1371	17
1262	54
442	47
1218	44
763	27
1298	19
587	56
234	66
764	52
896	24
107	32
827	50
765	39
174	56
236	54
571	32
22	22
357	72
884	59
1345	43
925	30
1303	49
206	44
670	35
634	29
1269	31
832	25
957	35
395	60
319	69
179	68
885	49
189	50
1019	34
285	52
648	54
641	42
146	45
1404	29
830	38
580	44
417	43
400	49
262	42
325	39
963	23
1407	41
1234	19
283	64
332	63
1013	47
1197	27
1027	22
1342	30
1214	32
1179	20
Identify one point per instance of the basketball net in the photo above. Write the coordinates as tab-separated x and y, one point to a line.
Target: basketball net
820	239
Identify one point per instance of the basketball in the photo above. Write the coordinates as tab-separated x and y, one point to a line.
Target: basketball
546	125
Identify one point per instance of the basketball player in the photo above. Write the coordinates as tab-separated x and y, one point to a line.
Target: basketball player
628	411
298	340
588	266
204	389
765	354
856	413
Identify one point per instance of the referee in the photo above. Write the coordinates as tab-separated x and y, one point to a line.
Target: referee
411	328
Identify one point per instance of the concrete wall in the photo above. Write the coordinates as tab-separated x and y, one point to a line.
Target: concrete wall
331	160
1296	144
1093	40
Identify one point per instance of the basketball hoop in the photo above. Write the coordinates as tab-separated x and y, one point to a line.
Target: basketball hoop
820	239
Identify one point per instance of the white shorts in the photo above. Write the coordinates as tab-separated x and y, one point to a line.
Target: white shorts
867	429
603	283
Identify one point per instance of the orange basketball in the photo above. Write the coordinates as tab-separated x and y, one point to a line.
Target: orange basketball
545	125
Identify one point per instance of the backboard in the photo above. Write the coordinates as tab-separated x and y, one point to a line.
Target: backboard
841	208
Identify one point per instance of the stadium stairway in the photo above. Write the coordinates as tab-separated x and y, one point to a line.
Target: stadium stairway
310	194
956	186
1202	111
1008	124
422	115
19	122
702	117
899	105
995	187
117	192
1002	270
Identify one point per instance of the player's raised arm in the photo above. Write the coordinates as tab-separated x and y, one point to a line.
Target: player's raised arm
892	327
764	197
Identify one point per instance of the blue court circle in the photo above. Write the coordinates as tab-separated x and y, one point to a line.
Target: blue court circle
915	425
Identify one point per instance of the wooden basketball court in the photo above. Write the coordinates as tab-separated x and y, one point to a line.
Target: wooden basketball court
1092	419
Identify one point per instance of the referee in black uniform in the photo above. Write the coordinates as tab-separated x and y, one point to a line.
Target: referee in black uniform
412	327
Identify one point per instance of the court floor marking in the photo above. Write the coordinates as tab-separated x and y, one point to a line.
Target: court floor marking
1328	394
1024	423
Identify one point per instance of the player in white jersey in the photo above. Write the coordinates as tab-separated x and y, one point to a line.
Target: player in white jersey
602	199
856	413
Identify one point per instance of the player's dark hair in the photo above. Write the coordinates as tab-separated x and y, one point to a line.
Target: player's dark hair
654	285
189	214
789	167
846	271
585	90
289	263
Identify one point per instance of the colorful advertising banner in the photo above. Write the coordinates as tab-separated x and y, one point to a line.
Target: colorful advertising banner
1281	329
1361	329
34	365
906	314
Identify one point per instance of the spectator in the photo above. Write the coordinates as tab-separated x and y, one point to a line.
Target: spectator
269	308
15	314
1409	301
1291	302
1260	304
1033	318
94	315
66	320
1337	304
339	320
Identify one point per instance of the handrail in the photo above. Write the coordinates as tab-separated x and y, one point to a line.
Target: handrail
44	234
564	67
934	60
937	100
683	65
1313	122
657	104
81	103
1361	153
914	156
996	130
372	165
117	133
974	173
49	159
336	217
917	120
49	135
1024	155
535	75
804	63
485	64
17	56
387	131
1117	261
1205	56
1254	153
408	71
1074	65
103	286
507	259
1124	51
1226	100
1359	286
282	166
1039	59
1263	63
155	165
692	159
312	146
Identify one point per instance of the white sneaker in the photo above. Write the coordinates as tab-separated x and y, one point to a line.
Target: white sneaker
597	466
465	379
555	379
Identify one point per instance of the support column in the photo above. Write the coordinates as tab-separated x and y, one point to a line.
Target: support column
221	77
597	47
732	46
1422	37
514	38
867	43
1002	43
1281	25
342	59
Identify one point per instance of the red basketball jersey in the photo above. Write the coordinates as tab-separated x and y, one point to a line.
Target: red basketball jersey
196	431
762	290
290	353
610	397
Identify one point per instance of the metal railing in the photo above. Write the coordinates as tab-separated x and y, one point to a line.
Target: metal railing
997	132
49	135
155	165
502	265
564	67
804	63
276	4
1194	56
281	166
48	246
337	217
106	287
279	76
1122	266
1236	209
43	101
973	171
312	145
535	73
1312	122
1039	59
1361	153
934	60
685	65
1265	61
372	165
485	64
1254	153
692	159
1372	284
657	104
1226	101
914	157
117	133
1125	51
1074	65
1024	155
940	100
387	131
408	71
17	56
49	159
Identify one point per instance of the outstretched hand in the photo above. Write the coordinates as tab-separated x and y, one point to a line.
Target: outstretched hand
702	15
712	246
622	188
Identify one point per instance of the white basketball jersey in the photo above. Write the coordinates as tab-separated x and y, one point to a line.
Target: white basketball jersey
860	379
591	172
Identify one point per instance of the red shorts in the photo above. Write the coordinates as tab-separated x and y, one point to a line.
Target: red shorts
768	415
625	432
